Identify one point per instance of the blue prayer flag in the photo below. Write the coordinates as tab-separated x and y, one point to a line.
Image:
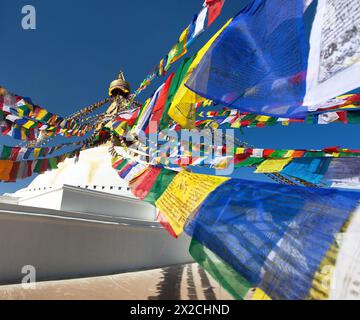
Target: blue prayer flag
275	236
259	62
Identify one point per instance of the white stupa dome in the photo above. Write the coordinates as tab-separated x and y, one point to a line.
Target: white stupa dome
93	171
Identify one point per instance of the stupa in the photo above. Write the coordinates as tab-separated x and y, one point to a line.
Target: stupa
81	220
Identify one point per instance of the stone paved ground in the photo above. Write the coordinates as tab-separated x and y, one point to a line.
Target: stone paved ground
185	282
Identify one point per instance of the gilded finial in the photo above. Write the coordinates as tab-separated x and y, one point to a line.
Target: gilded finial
121	76
119	86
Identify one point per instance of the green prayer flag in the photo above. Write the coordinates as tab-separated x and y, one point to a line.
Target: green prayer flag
278	154
121	165
249	117
309	119
223	273
271	121
315	154
353	117
162	182
175	84
38	164
6	153
52	163
248	162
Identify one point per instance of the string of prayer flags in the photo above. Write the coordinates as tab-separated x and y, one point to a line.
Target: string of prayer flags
182	108
22	113
270	82
159	106
244	157
348	102
146	112
11	171
133	171
125	120
237	119
210	11
174	87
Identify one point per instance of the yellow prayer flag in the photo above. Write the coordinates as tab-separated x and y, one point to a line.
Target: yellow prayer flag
350	106
240	151
184	194
213	124
29	124
207	103
182	108
36	152
262	118
289	153
184	34
236	124
260	295
23	134
120	129
21	112
42	113
272	165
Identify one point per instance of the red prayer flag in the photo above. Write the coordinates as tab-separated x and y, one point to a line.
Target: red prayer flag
166	224
160	103
14	153
342	116
141	185
14	171
332	149
214	10
268	152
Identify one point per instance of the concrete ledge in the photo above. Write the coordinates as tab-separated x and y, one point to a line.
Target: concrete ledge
63	245
76	199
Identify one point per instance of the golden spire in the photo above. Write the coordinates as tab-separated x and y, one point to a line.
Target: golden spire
119	86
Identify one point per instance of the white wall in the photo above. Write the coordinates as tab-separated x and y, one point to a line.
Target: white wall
66	245
50	199
90	201
75	199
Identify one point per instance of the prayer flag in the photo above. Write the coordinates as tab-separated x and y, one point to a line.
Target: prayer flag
259	62
184	194
275	236
214	10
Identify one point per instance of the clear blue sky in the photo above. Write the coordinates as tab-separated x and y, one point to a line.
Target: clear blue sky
79	46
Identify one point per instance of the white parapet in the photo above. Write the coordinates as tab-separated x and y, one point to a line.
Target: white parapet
61	245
